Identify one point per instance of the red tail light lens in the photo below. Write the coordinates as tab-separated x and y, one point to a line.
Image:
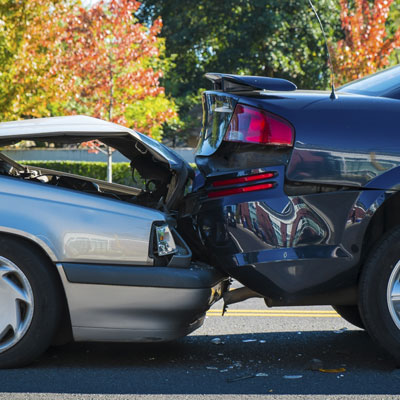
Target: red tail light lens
227	192
253	125
243	179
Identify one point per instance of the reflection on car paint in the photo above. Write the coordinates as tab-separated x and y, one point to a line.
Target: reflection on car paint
294	226
333	166
95	246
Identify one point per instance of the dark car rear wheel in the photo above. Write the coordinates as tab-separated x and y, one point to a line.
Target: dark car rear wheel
379	290
30	303
350	314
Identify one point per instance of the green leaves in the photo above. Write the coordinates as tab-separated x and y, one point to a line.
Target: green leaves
59	58
278	38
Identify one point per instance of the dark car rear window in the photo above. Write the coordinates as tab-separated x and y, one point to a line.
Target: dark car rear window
379	84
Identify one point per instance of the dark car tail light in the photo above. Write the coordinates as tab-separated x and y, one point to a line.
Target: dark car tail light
253	125
227	192
248	183
243	179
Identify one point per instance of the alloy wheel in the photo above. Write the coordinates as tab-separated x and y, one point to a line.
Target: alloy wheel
393	294
16	304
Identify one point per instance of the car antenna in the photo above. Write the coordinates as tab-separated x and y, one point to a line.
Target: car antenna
333	95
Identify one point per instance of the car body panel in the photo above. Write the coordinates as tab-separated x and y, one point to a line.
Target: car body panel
283	247
161	310
77	226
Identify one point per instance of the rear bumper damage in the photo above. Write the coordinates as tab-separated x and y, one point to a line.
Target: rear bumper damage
292	250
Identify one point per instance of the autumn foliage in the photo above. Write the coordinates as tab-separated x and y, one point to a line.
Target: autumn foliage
112	62
98	61
366	46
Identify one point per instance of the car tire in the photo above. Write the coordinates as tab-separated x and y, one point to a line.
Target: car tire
379	293
30	303
350	314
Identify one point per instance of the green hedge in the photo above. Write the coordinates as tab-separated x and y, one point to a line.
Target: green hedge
121	171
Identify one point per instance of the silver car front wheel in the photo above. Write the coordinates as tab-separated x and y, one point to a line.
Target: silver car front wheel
17	303
31	302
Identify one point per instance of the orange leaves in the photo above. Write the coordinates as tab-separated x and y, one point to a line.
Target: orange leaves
97	61
366	46
111	60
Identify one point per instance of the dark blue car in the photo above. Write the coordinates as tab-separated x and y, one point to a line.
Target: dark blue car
301	199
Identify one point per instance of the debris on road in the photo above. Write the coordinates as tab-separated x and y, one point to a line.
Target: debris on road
332	370
249	340
292	376
214	368
340	330
217	340
261	374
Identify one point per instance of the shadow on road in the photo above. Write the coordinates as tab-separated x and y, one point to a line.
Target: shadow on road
195	365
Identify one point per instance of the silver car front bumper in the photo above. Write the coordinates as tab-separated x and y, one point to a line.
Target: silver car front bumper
138	303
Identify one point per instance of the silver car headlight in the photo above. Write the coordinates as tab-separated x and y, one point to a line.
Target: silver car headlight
165	243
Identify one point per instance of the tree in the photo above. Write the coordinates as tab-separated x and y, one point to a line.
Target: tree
111	67
367	44
22	24
279	38
113	64
98	61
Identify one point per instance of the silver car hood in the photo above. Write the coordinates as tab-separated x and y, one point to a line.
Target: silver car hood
80	127
154	159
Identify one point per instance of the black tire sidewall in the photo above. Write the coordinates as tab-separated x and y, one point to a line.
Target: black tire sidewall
373	293
42	277
351	314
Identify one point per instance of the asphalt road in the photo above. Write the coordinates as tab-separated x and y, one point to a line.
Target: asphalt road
262	353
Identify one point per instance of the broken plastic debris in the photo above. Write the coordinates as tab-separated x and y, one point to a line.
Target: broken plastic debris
333	370
293	376
340	330
217	340
261	374
249	340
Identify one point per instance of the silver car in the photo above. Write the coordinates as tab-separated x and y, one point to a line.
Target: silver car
88	260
